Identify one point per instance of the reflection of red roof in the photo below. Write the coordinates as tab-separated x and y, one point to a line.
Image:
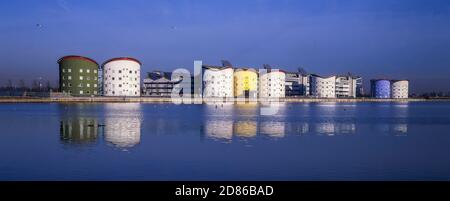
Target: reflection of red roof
78	58
122	58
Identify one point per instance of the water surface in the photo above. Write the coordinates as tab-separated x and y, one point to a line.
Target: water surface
302	141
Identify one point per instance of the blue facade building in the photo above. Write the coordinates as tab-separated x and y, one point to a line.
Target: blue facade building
381	88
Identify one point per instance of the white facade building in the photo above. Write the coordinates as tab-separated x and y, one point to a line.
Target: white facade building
272	84
121	77
346	86
322	87
400	89
218	82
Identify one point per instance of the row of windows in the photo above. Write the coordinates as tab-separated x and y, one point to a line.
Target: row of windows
113	92
69	70
120	71
120	85
81	92
80	78
120	78
79	85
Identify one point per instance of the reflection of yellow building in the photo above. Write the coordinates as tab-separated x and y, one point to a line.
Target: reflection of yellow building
245	128
246	83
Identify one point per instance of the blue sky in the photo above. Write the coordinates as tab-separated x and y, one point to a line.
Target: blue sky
399	39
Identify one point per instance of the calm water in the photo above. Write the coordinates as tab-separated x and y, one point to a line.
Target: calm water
304	141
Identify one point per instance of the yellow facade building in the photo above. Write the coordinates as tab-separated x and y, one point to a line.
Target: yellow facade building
246	83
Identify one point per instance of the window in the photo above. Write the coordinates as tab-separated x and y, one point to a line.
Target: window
87	92
88	78
63	77
88	85
112	78
120	85
131	71
63	70
95	71
69	70
70	85
81	77
95	85
80	85
95	92
81	70
120	71
69	77
88	71
63	85
81	91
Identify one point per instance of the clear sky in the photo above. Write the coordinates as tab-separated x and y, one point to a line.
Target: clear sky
398	39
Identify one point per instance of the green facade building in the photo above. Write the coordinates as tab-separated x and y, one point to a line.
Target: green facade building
78	76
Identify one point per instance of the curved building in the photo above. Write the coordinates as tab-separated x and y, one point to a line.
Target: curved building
381	88
246	83
217	82
272	84
78	76
122	77
323	87
400	89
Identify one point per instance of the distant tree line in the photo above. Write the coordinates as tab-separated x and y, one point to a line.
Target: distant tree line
17	88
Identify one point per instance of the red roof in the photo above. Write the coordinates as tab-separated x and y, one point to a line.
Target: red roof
122	58
78	58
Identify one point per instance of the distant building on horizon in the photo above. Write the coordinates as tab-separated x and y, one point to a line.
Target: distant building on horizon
121	77
78	75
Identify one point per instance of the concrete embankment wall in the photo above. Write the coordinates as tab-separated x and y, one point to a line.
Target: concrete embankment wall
169	100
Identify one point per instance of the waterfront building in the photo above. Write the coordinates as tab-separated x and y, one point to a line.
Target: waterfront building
121	77
217	82
78	76
380	88
347	86
399	89
323	87
272	84
297	84
159	84
246	83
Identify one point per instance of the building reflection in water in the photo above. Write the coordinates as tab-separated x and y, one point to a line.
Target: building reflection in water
219	129
77	126
245	129
123	124
273	129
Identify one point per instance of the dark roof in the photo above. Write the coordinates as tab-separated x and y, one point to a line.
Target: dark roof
155	75
77	58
